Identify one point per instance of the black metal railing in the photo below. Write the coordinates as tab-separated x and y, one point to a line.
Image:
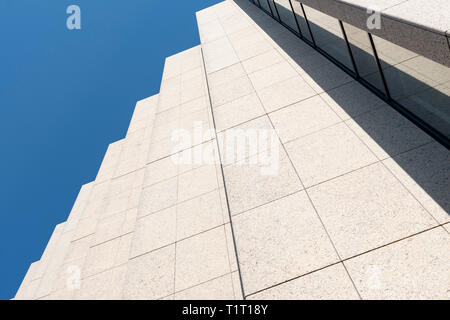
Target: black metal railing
419	107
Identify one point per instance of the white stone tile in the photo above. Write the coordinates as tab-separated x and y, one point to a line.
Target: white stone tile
46	283
28	291
248	49
325	77
135	196
211	31
49	249
366	209
93	210
201	103
237	286
234	23
249	187
160	170
193	119
226	75
387	133
131	163
55	262
279	241
217	289
78	207
104	286
204	16
172	67
298	52
238	111
195	70
247	139
161	149
68	276
105	173
218	49
229	91
327	154
84	228
116	204
196	182
63	294
303	118
167	101
351	100
433	17
285	93
447	227
138	124
246	36
199	214
221	62
124	249
195	157
429	68
231	247
192	89
271	75
161	118
101	257
151	276
100	191
169	85
331	283
109	161
414	268
425	173
154	231
78	249
262	61
159	196
115	226
31	272
125	183
165	131
201	258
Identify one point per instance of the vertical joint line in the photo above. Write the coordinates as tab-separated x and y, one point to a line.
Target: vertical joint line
223	179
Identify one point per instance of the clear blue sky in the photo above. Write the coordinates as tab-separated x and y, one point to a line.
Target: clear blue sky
64	96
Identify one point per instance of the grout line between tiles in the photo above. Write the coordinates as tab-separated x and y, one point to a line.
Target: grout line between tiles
198	284
346	259
224	182
309	198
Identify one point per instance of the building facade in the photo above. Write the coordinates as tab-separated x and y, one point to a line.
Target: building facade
294	154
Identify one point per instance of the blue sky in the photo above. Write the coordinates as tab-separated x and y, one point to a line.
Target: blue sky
64	96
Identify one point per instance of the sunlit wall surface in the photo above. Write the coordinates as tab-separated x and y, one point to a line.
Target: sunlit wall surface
413	84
